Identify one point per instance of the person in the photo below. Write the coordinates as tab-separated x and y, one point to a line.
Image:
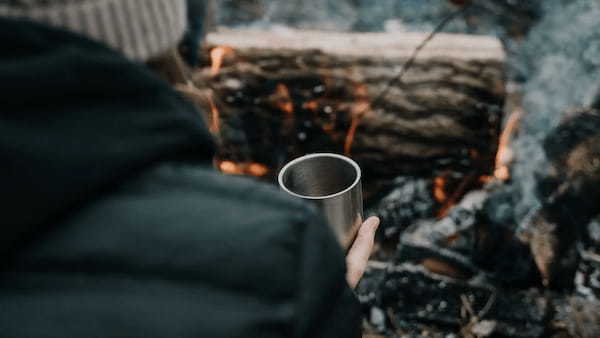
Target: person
114	223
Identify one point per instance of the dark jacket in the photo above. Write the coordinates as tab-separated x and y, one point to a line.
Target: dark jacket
114	224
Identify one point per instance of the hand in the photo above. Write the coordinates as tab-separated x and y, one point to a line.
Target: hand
358	256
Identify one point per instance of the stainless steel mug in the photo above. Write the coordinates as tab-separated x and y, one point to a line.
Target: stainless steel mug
333	183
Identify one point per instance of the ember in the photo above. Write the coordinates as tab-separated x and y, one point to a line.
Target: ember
229	167
281	98
439	184
445	209
215	123
311	105
257	169
233	168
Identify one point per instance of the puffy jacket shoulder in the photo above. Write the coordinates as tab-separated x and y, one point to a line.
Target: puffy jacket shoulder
182	251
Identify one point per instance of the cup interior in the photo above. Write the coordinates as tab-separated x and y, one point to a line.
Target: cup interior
319	175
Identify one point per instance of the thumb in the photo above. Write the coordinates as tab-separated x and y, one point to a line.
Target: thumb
358	256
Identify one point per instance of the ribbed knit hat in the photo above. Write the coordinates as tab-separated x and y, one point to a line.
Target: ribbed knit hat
141	29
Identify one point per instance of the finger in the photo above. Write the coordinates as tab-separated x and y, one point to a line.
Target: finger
358	256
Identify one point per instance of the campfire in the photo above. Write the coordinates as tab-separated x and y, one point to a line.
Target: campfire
437	141
301	99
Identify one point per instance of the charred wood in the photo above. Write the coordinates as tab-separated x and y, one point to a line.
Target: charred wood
465	243
409	200
302	92
414	300
569	192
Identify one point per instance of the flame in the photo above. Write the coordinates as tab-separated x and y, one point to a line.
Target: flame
311	105
483	179
502	173
443	212
217	55
282	99
242	168
456	195
229	167
504	155
201	98
439	185
350	136
361	92
440	195
453	238
257	169
215	120
329	127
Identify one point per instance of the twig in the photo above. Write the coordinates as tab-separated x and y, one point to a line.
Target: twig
405	67
467	305
488	306
464	184
397	330
411	60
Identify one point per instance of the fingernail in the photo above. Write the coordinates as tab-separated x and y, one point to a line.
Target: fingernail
374	220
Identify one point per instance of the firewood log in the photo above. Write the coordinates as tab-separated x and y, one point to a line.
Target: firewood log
289	93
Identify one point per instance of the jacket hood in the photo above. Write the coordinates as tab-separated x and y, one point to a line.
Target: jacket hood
77	118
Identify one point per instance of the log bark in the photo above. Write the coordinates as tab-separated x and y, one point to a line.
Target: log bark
285	94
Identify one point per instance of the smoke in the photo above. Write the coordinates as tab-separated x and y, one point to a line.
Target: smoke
559	63
553	49
339	15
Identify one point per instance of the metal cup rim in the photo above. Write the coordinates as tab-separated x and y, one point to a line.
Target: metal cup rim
305	157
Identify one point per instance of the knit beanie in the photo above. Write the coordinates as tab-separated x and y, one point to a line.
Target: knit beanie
140	29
